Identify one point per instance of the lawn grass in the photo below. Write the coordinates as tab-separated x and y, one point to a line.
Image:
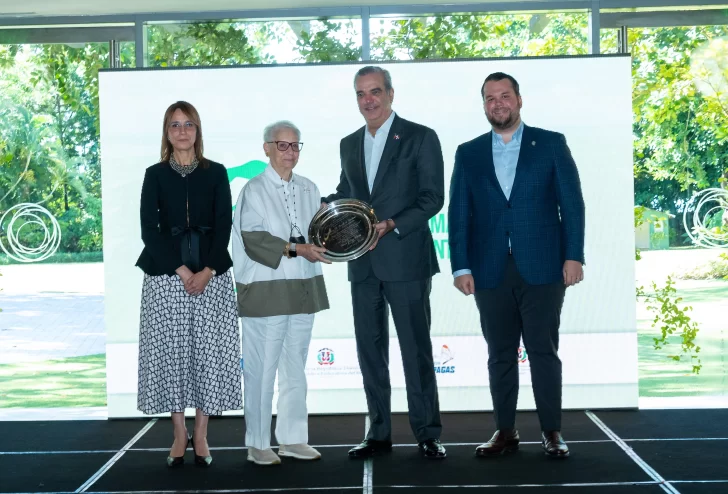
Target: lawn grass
81	381
59	258
70	382
659	376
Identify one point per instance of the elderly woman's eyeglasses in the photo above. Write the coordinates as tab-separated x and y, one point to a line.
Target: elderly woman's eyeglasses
178	126
284	145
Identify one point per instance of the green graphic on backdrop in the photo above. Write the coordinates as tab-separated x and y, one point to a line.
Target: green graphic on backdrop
238	176
246	171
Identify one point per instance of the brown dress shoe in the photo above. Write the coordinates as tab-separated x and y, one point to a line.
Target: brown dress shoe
553	444
503	441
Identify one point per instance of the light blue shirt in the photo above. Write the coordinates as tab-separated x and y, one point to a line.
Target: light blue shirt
505	160
374	147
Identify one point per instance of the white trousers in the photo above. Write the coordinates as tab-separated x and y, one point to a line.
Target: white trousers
270	344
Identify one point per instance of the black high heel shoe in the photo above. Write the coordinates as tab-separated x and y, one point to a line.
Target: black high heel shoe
178	461
203	461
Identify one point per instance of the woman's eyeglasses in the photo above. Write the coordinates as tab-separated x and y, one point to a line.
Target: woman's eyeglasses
284	145
178	126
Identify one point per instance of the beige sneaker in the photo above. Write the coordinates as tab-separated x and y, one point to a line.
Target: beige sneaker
298	451
263	456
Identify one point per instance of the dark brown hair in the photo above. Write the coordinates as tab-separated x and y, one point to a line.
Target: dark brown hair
499	76
194	117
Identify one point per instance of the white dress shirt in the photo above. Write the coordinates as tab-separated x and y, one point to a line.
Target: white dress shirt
374	147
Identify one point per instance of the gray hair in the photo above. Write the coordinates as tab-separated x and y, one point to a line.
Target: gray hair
372	69
272	130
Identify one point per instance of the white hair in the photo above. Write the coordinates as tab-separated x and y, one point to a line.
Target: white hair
272	130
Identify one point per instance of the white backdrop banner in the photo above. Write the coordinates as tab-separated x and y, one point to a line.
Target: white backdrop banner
586	98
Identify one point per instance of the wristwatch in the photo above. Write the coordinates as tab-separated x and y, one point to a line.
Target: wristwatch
290	250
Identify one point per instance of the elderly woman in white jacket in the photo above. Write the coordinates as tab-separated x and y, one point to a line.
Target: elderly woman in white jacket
280	287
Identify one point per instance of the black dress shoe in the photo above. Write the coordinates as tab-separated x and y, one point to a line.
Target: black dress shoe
369	448
431	448
504	441
553	444
178	461
175	461
201	461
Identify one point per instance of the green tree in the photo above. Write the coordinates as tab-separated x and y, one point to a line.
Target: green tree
681	145
49	133
24	156
203	44
476	36
326	41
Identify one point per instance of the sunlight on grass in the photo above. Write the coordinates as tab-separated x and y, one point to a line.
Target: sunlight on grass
71	382
660	376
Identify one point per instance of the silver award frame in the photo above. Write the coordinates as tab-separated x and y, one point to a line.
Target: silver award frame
345	228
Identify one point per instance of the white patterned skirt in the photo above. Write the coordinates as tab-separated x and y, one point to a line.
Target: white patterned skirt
189	347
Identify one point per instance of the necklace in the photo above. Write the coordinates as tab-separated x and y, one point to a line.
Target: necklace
292	220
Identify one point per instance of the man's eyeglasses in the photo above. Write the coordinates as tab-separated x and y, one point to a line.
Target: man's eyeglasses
178	126
284	145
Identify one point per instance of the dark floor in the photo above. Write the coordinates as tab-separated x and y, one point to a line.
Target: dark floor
683	451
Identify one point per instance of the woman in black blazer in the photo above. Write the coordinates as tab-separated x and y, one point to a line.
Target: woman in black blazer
189	340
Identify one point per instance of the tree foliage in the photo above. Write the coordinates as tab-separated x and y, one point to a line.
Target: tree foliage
49	127
680	128
202	44
477	36
672	320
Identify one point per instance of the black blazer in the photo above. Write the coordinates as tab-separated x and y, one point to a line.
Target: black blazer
408	188
164	217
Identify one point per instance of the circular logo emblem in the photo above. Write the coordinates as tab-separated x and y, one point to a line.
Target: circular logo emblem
325	356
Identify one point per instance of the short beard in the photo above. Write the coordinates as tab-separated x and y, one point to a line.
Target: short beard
505	125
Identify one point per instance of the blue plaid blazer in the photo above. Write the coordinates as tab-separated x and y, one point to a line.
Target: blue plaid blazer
543	219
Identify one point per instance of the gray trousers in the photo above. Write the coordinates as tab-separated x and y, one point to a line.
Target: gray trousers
512	310
410	305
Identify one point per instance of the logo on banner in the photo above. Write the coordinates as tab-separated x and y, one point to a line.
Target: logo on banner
325	356
441	362
522	355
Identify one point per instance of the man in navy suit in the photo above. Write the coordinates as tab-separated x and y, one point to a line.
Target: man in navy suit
516	234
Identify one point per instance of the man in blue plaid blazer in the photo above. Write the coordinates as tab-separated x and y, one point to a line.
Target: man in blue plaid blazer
516	234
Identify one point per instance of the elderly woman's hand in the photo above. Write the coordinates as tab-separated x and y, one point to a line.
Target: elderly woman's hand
311	253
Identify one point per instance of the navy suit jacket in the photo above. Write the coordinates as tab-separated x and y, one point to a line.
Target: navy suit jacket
543	219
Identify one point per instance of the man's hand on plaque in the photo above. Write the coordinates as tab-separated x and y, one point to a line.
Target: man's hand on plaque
383	227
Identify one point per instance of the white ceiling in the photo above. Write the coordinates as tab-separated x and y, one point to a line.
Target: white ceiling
103	7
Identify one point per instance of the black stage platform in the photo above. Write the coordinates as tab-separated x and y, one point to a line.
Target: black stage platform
646	451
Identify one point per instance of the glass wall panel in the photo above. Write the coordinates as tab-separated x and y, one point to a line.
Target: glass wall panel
247	42
680	103
479	35
52	347
609	41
